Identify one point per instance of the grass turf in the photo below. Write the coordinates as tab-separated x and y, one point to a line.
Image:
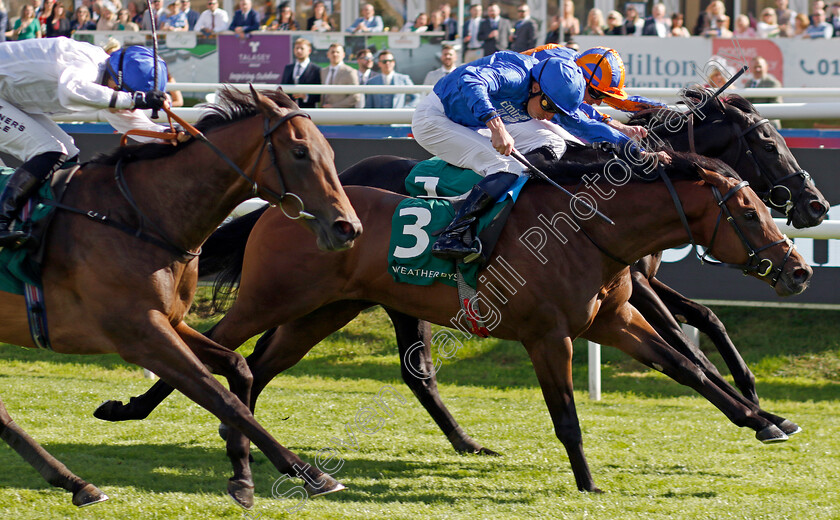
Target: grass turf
657	449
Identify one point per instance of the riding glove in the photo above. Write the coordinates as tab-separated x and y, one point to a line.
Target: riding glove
153	99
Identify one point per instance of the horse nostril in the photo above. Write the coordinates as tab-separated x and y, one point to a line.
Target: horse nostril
346	229
801	275
818	209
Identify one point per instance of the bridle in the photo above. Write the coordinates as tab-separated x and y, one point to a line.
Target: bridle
762	267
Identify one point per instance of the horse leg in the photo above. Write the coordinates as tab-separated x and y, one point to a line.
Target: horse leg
418	372
627	330
551	356
705	320
160	349
53	471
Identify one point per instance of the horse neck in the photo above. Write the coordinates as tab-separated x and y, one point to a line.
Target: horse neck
191	192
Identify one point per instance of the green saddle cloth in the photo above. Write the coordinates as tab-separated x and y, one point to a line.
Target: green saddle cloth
17	266
409	253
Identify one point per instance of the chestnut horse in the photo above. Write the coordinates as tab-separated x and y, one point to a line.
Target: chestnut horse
108	292
546	309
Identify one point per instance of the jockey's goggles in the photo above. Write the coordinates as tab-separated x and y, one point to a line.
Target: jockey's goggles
548	105
597	95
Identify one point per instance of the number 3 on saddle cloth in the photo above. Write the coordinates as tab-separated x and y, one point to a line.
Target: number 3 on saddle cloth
416	221
20	269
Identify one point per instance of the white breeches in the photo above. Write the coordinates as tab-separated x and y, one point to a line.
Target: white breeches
468	148
24	136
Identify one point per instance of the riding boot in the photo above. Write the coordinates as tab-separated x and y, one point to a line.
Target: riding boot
23	183
456	241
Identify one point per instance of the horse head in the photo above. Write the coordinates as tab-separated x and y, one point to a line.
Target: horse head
741	233
298	168
759	155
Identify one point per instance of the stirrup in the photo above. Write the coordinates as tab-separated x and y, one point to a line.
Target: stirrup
16	239
472	257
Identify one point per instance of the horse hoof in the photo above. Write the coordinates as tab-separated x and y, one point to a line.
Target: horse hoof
88	496
789	427
328	485
109	411
242	492
771	434
223	431
487	451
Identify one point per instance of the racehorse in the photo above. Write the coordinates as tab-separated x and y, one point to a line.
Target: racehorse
557	303
729	128
108	292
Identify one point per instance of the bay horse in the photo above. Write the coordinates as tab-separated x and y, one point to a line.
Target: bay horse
108	292
728	128
559	302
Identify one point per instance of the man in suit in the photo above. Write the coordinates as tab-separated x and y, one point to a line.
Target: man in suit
449	23
387	64
364	60
212	21
302	72
368	21
524	36
245	20
448	64
192	16
494	31
657	24
339	74
472	45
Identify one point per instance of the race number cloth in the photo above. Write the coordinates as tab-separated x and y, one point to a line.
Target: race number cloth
414	221
17	266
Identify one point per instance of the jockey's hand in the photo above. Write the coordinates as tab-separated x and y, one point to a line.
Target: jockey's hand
183	137
501	140
660	156
154	99
633	132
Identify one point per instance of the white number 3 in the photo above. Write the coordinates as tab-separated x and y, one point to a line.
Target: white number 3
424	216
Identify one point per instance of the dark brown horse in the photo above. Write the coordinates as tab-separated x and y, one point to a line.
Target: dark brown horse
108	292
725	128
579	293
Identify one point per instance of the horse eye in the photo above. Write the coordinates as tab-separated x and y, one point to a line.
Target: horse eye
299	153
770	147
751	215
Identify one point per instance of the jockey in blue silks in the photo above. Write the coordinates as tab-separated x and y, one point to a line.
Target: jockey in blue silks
44	77
494	104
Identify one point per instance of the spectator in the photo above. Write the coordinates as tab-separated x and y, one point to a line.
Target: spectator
57	23
175	97
632	22
785	18
124	22
4	21
834	19
157	10
190	14
368	21
678	28
107	20
818	4
245	20
387	64
81	20
713	21
719	72
571	25
819	29
595	23
494	31
45	12
767	27
134	15
436	20
173	20
319	21
338	73
26	27
448	60
800	26
743	28
364	61
450	24
213	20
657	24
525	31
615	24
763	79
302	72
472	45
283	20
421	24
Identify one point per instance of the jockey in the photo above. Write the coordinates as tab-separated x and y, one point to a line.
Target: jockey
44	77
498	102
603	70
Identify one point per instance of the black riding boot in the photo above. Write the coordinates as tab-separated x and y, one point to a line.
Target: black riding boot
456	241
24	182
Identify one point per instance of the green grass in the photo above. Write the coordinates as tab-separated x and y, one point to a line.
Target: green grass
657	449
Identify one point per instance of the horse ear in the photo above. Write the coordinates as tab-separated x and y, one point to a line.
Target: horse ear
710	176
267	106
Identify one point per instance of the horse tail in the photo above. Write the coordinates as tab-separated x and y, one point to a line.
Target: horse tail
223	253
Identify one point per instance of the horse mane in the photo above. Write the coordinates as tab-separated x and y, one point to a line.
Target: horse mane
697	93
681	168
231	106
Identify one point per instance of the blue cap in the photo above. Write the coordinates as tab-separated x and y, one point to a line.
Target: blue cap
132	69
561	80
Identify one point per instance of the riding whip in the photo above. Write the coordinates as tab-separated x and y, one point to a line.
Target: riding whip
533	169
154	48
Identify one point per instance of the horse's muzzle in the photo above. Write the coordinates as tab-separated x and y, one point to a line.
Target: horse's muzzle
794	279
